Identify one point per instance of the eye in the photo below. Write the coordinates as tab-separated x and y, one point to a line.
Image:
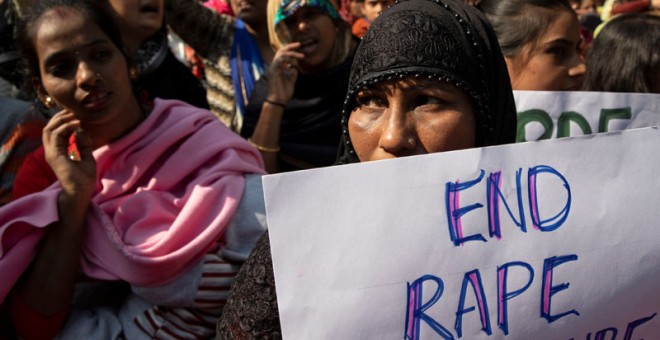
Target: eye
370	100
559	52
59	69
102	54
424	99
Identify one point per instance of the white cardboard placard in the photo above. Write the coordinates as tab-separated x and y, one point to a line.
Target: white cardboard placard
546	114
359	250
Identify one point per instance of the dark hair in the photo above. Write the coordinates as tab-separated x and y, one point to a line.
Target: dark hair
30	22
513	24
625	56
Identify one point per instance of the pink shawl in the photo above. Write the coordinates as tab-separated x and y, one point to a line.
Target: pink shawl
165	194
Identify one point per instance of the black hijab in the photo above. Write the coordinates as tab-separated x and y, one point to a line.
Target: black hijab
446	40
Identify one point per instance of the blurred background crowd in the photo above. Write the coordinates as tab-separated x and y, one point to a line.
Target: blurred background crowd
295	83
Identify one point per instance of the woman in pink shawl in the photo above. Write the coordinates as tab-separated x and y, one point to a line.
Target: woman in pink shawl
152	208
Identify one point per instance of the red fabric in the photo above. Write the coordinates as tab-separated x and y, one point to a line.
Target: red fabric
219	6
34	175
30	324
360	27
15	149
631	7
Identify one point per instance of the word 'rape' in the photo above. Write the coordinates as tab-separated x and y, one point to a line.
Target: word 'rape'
417	305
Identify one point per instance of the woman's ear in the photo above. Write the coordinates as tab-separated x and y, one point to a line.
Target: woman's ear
45	98
132	67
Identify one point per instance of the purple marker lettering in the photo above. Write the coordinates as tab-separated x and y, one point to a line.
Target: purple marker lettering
494	194
600	335
474	278
415	311
454	211
556	221
548	290
503	296
631	326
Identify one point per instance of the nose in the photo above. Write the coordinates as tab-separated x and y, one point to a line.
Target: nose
398	135
301	25
579	68
86	76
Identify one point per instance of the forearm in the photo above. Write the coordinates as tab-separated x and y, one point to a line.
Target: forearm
207	32
47	285
266	135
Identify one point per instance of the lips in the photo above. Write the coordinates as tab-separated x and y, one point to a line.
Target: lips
150	8
96	100
308	46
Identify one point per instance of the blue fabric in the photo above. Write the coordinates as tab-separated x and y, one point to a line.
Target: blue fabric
246	65
288	7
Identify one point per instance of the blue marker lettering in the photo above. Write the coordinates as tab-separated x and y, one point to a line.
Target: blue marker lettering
474	278
548	290
556	221
415	310
503	296
454	212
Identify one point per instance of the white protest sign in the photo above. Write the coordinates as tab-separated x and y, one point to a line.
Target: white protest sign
545	115
542	240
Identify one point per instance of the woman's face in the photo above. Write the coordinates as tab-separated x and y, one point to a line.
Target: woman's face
411	117
371	9
554	62
356	8
137	19
81	69
317	34
252	12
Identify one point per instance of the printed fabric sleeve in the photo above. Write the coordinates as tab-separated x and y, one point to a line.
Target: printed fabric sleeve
251	311
209	33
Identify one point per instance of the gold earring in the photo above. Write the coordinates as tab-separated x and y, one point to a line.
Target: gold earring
49	102
133	72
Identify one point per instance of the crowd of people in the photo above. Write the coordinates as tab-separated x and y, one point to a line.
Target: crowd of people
131	195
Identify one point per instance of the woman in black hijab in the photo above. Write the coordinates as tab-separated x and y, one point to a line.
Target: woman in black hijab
427	77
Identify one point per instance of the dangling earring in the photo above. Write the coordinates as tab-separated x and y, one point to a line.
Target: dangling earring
49	102
133	73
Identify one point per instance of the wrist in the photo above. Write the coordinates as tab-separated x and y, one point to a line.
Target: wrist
263	148
274	102
74	202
